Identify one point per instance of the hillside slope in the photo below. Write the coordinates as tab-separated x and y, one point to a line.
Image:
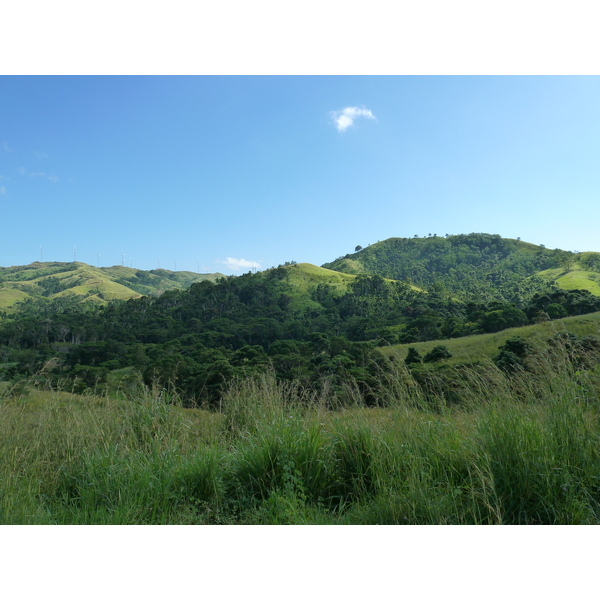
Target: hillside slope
482	347
74	279
475	266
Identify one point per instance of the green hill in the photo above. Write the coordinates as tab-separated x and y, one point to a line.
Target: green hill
304	279
74	279
320	328
475	266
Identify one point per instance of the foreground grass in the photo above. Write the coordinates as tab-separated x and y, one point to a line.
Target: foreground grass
520	450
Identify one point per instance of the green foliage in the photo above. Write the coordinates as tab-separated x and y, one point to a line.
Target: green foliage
313	326
413	356
436	354
512	354
525	451
474	265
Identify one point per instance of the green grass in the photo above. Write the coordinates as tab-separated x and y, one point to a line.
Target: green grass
575	279
304	278
9	297
105	290
524	450
580	280
483	347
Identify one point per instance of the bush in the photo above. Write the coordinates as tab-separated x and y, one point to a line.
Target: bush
413	357
437	353
512	355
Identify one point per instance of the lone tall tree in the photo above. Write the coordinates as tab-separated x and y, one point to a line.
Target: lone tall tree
358	249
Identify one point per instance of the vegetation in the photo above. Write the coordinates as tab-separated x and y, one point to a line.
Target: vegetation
475	266
303	394
309	324
521	448
474	349
41	282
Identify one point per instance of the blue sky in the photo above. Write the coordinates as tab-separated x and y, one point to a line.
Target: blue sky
222	173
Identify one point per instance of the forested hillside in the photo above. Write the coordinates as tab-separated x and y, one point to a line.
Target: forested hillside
314	326
476	266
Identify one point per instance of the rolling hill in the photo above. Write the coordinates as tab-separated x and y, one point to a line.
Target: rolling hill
467	267
475	265
53	280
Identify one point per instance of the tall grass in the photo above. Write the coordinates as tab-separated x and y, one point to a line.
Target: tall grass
515	449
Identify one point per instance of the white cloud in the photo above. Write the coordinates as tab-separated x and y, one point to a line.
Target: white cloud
53	178
345	118
41	155
237	264
2	190
6	147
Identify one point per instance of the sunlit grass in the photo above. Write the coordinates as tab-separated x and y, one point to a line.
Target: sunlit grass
477	348
519	450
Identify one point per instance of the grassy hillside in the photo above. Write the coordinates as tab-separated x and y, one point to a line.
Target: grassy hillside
9	297
57	280
477	348
304	278
157	281
576	279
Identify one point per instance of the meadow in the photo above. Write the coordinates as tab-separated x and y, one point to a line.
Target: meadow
518	449
483	347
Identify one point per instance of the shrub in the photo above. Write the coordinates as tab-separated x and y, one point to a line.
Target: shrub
437	353
413	356
512	355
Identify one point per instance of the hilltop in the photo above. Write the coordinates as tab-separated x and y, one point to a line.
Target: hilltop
55	280
474	266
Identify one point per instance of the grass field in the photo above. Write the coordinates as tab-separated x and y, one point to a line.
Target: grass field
482	347
519	450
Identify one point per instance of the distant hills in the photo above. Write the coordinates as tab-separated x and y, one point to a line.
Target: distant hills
469	267
54	280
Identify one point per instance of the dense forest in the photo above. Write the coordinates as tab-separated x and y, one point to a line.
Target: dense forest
199	339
